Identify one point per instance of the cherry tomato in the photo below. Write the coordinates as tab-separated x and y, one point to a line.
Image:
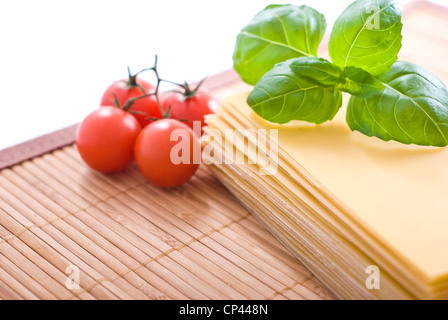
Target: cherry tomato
106	139
136	87
168	153
190	108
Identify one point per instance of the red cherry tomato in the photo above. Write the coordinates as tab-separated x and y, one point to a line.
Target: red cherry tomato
106	139
191	109
125	90
168	153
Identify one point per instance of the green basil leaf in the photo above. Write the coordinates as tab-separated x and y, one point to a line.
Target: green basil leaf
352	80
276	34
360	83
281	96
317	70
367	35
412	108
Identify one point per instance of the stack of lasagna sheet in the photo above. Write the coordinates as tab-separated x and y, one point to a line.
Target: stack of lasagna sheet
369	218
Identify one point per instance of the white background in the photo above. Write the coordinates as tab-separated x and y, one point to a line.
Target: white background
57	57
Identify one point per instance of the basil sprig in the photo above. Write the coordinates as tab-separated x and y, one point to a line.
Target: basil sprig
390	100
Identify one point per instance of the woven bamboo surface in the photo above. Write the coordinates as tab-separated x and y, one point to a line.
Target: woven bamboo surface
132	240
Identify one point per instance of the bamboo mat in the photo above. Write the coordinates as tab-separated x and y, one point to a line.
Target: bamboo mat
131	240
134	241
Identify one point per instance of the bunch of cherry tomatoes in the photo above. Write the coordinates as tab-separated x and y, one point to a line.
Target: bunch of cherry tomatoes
137	122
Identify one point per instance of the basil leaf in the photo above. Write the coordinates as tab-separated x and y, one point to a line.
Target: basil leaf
367	35
281	96
276	34
317	70
360	83
412	108
352	80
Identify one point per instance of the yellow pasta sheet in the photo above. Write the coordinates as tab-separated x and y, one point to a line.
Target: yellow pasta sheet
389	197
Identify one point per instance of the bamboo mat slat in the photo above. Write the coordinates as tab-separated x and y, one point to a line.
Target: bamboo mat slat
131	240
